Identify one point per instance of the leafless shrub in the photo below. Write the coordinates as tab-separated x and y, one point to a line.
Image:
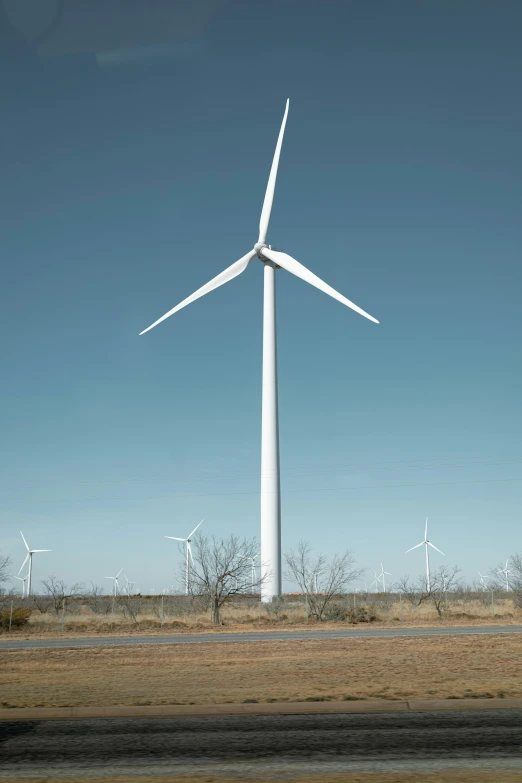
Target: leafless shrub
443	584
321	579
130	606
57	594
96	600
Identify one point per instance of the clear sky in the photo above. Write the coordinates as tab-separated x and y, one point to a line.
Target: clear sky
135	151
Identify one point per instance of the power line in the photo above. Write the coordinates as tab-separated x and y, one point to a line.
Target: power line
287	491
291	473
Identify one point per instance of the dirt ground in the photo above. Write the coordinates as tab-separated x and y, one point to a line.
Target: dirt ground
265	671
438	777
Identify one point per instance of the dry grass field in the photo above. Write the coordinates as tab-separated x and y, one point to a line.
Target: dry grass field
264	671
439	777
175	617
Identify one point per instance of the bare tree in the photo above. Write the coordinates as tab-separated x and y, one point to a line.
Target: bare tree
97	600
6	596
414	592
320	578
221	569
57	593
515	580
443	581
131	605
5	565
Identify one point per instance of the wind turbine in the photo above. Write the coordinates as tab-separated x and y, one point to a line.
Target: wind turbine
383	576
315	575
23	580
426	543
188	554
506	571
129	585
482	578
116	583
29	556
272	260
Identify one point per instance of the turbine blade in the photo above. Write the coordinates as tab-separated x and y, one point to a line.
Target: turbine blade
42	550
25	561
426	530
190	552
270	188
415	547
200	523
221	279
434	547
174	538
294	267
25	542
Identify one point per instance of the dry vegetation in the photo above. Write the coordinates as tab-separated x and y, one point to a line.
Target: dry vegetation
178	614
264	671
448	776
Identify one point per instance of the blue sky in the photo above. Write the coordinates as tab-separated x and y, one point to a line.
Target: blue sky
133	172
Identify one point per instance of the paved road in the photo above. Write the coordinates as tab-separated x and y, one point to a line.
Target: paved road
200	638
263	745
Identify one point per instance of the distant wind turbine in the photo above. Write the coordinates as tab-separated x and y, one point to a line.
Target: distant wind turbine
29	556
382	576
116	583
23	580
426	543
482	582
129	585
188	554
506	572
272	260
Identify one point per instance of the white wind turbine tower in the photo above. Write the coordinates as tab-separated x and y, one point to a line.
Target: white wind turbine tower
482	582
188	554
23	580
29	556
272	260
116	583
426	543
382	576
506	571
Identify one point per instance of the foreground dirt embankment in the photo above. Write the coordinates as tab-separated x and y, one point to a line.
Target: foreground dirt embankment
437	777
313	670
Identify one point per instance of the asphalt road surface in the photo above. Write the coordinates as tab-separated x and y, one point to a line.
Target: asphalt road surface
371	633
263	745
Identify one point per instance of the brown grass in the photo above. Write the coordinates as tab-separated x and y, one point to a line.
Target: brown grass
238	618
447	776
328	669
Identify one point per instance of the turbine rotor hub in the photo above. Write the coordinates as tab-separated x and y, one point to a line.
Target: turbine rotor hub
259	247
